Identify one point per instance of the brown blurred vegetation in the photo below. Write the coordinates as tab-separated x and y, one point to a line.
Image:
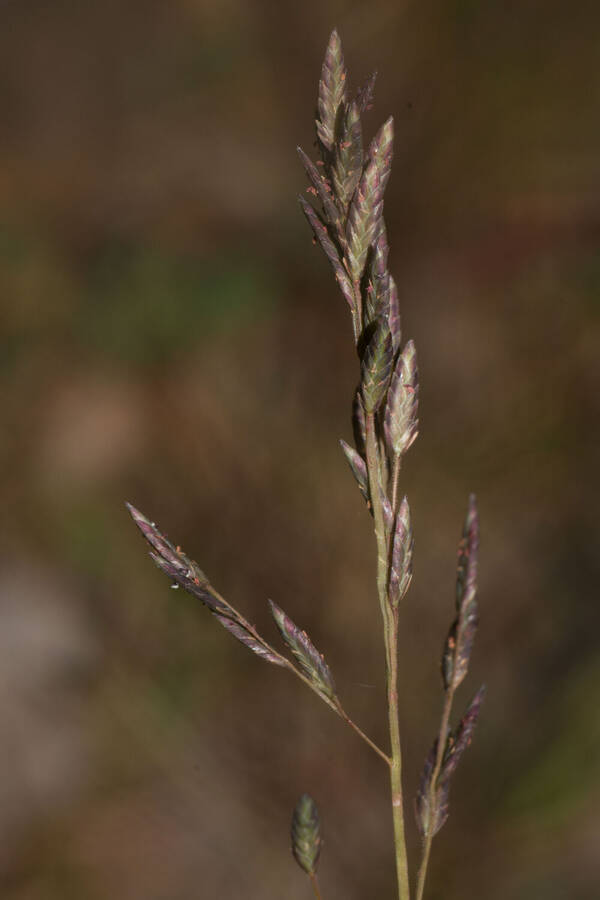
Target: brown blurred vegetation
169	336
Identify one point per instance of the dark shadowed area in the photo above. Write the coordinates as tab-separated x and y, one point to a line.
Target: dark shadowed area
170	336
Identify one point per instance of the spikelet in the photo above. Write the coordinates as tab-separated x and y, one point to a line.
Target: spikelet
401	423
310	660
459	643
306	834
402	551
332	93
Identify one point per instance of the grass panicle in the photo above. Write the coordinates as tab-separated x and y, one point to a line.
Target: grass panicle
347	186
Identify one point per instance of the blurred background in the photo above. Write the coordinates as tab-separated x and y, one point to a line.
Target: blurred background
171	337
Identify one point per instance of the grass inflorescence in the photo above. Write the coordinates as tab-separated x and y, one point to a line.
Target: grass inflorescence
347	184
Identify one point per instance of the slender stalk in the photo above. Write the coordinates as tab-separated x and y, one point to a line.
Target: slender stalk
441	744
390	623
395	479
315	883
336	706
396	768
357	315
361	734
374	491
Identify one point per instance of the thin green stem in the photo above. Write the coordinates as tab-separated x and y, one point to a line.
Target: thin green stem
361	734
396	768
395	479
357	314
441	746
315	884
373	467
390	625
336	706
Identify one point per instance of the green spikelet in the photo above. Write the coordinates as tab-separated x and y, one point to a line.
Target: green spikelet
365	217
332	92
402	407
306	834
348	158
376	366
310	660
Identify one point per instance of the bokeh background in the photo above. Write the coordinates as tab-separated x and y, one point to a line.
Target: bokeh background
171	337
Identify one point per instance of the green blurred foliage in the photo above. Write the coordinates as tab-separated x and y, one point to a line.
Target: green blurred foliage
162	303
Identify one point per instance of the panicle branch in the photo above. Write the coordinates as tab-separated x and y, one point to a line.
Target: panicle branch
185	573
431	804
